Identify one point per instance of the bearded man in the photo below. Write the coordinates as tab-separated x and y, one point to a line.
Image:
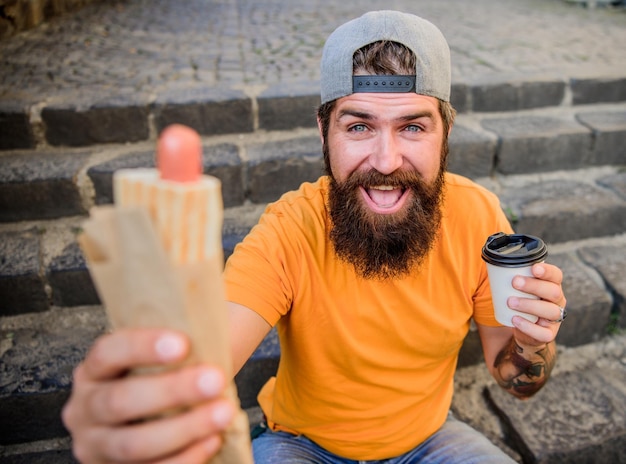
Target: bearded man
371	275
383	241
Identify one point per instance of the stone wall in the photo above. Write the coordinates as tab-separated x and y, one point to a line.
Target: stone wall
20	15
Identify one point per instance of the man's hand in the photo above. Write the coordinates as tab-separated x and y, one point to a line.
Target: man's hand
172	416
521	359
546	285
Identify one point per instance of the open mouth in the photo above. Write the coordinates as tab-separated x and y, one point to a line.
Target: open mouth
385	199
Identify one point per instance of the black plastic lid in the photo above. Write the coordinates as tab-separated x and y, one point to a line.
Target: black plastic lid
514	250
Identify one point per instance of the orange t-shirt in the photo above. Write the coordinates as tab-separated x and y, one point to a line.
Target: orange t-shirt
366	368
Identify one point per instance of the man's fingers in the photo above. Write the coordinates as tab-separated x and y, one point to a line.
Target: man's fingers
549	281
123	410
167	436
530	333
199	452
138	397
543	309
114	354
546	284
545	271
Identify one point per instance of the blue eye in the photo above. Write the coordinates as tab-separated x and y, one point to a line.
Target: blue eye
413	128
358	128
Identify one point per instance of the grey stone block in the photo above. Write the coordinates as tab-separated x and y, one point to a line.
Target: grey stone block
237	223
222	161
578	417
289	106
101	175
541	93
472	152
598	90
588	304
106	122
43	457
230	241
609	262
40	185
460	97
277	167
36	372
16	129
562	210
615	182
609	131
471	352
29	417
208	111
72	285
494	97
539	143
262	365
22	289
513	96
69	279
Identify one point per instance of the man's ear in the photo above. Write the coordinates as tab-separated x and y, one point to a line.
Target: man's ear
450	130
319	128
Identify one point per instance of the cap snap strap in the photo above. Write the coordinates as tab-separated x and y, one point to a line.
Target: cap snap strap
383	84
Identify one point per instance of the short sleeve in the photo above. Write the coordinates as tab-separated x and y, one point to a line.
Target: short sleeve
483	305
256	274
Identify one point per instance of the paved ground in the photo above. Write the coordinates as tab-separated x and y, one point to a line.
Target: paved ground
147	46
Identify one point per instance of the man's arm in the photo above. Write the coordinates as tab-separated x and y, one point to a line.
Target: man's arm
521	358
520	369
247	331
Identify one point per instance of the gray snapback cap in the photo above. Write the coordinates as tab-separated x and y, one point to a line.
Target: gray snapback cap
432	73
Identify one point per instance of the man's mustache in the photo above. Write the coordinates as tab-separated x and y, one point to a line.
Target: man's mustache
399	179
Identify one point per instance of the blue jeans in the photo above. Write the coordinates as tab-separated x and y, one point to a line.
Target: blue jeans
454	443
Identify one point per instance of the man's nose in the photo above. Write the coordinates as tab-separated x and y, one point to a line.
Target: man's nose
387	156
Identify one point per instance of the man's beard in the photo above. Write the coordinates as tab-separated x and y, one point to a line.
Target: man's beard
382	246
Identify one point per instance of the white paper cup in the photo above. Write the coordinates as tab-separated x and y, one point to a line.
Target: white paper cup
500	280
508	256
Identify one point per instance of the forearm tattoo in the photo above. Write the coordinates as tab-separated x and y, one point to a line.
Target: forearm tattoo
523	371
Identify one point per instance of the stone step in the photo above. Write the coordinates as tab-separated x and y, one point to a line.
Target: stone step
563	206
39	350
587	383
39	353
574	197
42	264
583	418
58	182
75	120
50	313
578	417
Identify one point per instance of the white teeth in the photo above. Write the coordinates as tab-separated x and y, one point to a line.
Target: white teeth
383	187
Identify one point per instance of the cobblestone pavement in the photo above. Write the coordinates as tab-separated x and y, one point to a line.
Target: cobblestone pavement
146	46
